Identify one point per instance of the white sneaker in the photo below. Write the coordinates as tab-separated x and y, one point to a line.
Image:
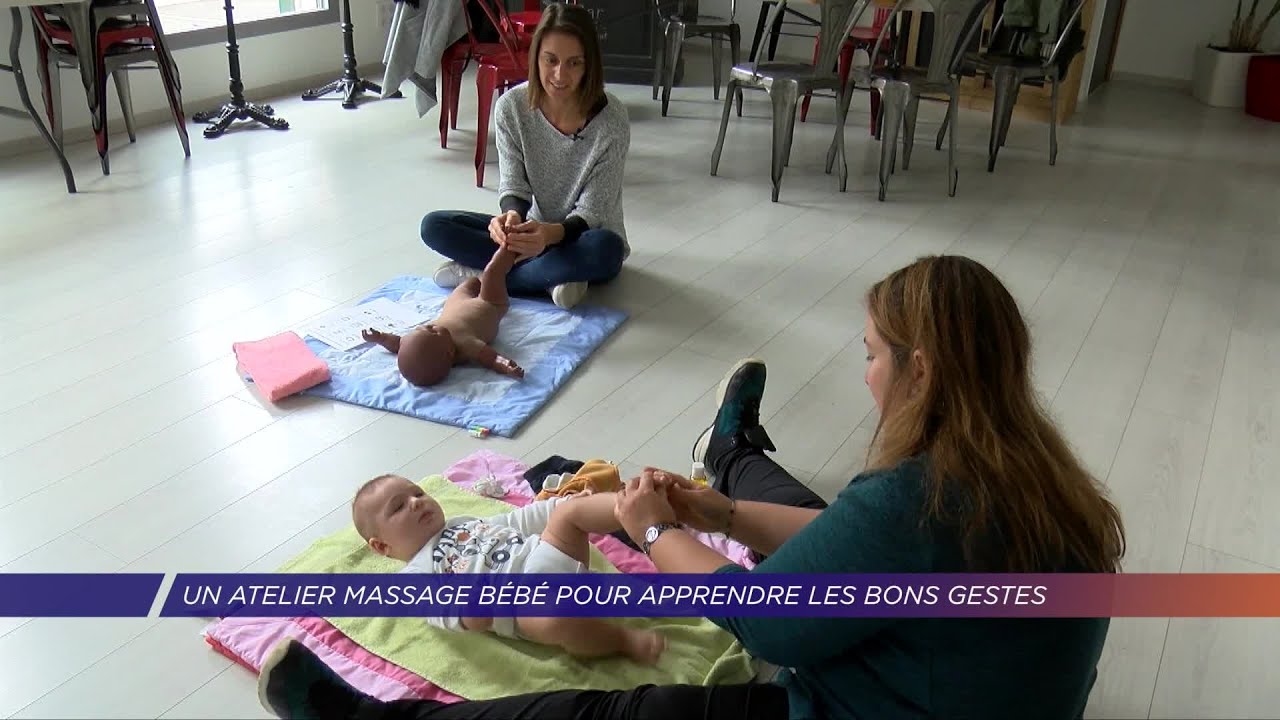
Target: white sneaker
452	274
568	294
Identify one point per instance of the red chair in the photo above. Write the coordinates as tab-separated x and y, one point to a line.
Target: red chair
860	38
526	21
495	74
125	34
456	57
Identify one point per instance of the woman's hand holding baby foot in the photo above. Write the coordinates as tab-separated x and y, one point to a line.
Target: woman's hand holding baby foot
697	506
644	646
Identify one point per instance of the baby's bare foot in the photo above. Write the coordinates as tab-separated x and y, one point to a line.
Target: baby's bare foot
645	646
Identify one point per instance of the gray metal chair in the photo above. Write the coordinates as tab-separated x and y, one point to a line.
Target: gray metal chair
684	23
1010	69
955	24
787	83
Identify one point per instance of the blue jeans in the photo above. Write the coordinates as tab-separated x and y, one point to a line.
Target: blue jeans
594	257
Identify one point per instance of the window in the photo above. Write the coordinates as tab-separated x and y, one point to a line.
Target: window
203	22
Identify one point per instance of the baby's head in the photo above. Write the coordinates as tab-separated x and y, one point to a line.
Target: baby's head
426	355
395	516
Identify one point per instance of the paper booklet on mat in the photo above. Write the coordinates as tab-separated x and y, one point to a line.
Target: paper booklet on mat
340	329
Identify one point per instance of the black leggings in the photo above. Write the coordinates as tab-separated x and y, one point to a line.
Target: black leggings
742	474
647	702
749	474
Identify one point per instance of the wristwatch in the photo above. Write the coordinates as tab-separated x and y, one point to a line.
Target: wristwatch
654	532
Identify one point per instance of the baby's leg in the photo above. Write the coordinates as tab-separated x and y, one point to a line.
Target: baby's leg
593	638
469	287
574	519
493	281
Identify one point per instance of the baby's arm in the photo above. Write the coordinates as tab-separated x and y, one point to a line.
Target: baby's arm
531	519
482	354
387	340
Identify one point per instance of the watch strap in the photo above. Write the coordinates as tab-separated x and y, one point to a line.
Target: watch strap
656	531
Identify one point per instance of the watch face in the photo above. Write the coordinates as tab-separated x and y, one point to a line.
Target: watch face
651	535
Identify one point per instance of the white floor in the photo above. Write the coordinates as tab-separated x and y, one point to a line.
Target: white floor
1148	261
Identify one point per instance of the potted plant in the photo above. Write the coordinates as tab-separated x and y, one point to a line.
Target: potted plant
1220	71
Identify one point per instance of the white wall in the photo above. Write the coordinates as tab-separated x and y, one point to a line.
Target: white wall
1158	38
267	60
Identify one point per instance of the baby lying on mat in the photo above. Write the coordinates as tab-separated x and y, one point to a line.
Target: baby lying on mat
397	519
467	324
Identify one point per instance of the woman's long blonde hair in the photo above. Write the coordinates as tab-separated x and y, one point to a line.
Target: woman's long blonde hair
1000	473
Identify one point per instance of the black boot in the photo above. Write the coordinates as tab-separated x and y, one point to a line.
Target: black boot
295	684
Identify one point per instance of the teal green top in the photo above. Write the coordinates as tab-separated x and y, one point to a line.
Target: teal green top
887	668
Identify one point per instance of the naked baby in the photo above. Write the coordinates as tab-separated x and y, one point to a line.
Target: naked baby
462	333
399	520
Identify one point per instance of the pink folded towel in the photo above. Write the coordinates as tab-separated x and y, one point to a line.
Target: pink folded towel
280	365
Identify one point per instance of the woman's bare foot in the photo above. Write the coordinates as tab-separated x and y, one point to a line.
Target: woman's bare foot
644	646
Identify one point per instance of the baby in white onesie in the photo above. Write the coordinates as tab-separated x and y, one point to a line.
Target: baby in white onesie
397	519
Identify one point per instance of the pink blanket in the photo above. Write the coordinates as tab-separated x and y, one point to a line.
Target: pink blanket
248	640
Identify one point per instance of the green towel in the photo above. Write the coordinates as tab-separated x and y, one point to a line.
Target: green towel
481	666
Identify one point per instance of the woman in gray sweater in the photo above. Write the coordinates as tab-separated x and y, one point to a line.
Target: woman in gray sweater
562	148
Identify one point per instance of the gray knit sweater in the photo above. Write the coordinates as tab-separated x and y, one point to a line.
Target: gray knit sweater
559	177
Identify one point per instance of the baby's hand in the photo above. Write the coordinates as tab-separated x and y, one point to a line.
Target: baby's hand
370	335
507	366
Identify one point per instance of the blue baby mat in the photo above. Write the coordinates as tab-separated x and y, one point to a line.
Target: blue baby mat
549	343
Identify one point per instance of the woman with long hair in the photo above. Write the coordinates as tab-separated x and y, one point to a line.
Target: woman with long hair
562	149
966	474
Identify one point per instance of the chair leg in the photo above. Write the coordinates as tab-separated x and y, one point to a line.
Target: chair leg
844	99
759	31
893	100
446	86
842	105
51	87
455	92
909	129
1053	119
674	44
659	67
775	34
730	90
717	60
808	97
844	67
783	97
953	114
791	135
942	132
125	94
174	93
101	134
735	53
875	113
486	84
1006	95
